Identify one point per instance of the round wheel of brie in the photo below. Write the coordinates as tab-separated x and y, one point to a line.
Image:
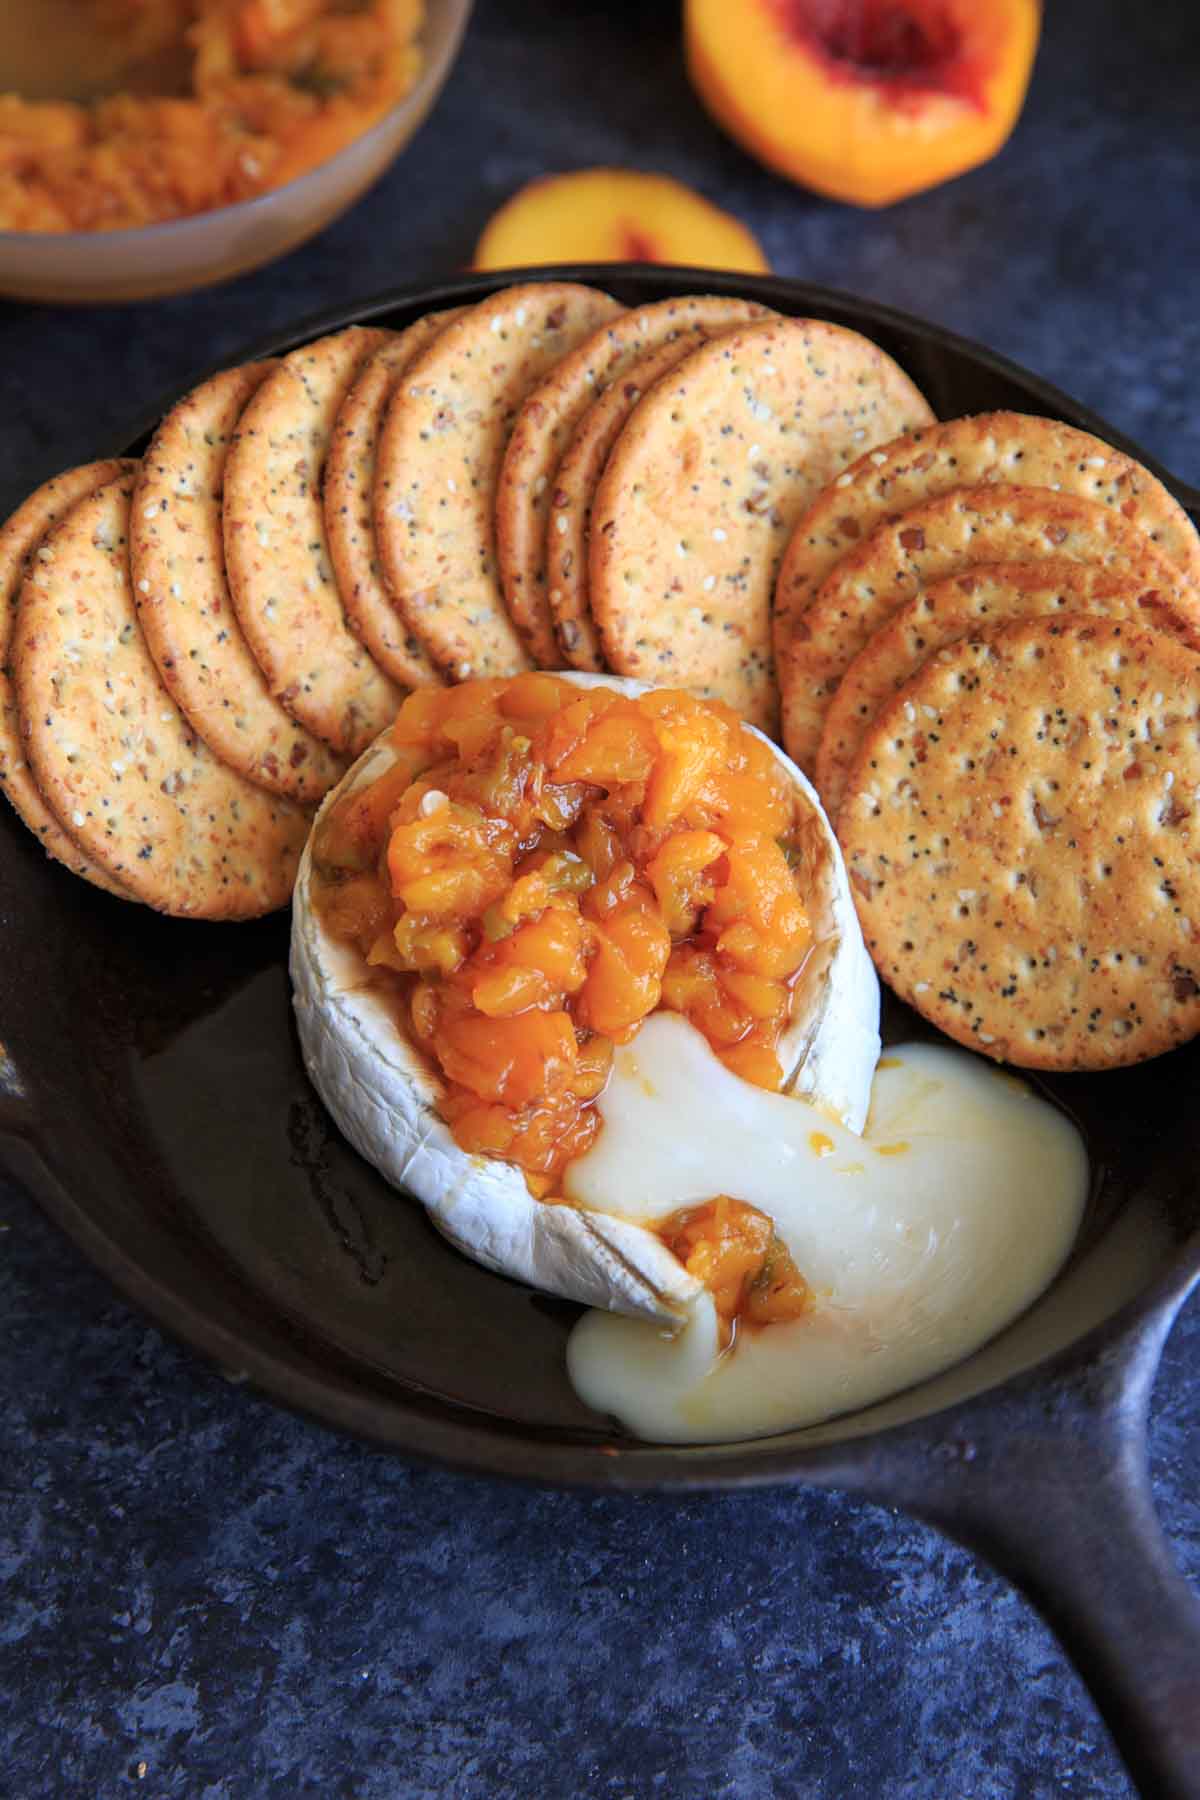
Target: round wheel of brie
386	1093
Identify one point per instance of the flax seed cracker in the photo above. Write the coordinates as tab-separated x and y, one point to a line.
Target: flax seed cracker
962	606
438	466
349	515
184	607
20	541
573	491
118	764
277	558
1022	831
703	486
544	428
944	536
999	446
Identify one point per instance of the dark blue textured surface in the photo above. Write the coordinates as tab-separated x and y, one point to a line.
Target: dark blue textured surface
204	1597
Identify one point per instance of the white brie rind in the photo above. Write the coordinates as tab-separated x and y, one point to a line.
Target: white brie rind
384	1094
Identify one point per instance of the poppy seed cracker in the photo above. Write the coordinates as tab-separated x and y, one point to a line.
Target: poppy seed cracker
371	613
945	535
704	485
438	468
964	605
1022	834
184	605
277	556
20	542
1007	447
544	429
573	492
119	765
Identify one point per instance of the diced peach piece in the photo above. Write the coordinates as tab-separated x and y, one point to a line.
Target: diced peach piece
690	979
516	1061
778	1293
762	998
680	879
598	844
550	947
535	696
615	215
440	865
617	748
757	912
725	1245
423	948
614	891
625	977
553	943
754	1061
689	749
733	1249
504	991
593	1067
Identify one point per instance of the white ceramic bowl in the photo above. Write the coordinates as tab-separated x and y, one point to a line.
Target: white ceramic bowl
171	258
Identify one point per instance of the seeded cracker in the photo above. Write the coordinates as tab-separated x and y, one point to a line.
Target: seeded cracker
962	606
999	446
704	485
371	612
544	429
117	762
20	541
945	536
276	554
573	492
438	466
1023	841
184	606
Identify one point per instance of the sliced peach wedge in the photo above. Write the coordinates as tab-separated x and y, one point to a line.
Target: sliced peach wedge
864	100
615	215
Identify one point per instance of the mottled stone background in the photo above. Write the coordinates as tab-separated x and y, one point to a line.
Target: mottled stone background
204	1597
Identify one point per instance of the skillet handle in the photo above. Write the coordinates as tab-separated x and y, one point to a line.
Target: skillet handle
1048	1479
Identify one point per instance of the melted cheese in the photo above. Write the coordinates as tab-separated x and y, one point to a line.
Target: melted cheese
920	1240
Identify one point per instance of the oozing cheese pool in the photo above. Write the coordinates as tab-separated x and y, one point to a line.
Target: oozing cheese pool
919	1240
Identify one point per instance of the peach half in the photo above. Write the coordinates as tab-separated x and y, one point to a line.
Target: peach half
864	100
615	215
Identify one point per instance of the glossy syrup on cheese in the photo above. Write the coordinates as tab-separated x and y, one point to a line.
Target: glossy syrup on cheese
920	1240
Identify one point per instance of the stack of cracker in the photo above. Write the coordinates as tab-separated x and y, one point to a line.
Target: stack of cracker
988	637
199	643
985	633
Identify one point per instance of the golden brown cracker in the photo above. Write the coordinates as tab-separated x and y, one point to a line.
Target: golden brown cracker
177	561
943	536
702	489
438	466
573	491
544	428
371	612
20	540
963	605
277	557
119	766
1009	447
1023	841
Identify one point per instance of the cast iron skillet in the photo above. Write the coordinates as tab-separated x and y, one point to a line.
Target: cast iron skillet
152	1097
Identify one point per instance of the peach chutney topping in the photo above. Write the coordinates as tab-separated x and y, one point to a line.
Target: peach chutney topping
542	867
